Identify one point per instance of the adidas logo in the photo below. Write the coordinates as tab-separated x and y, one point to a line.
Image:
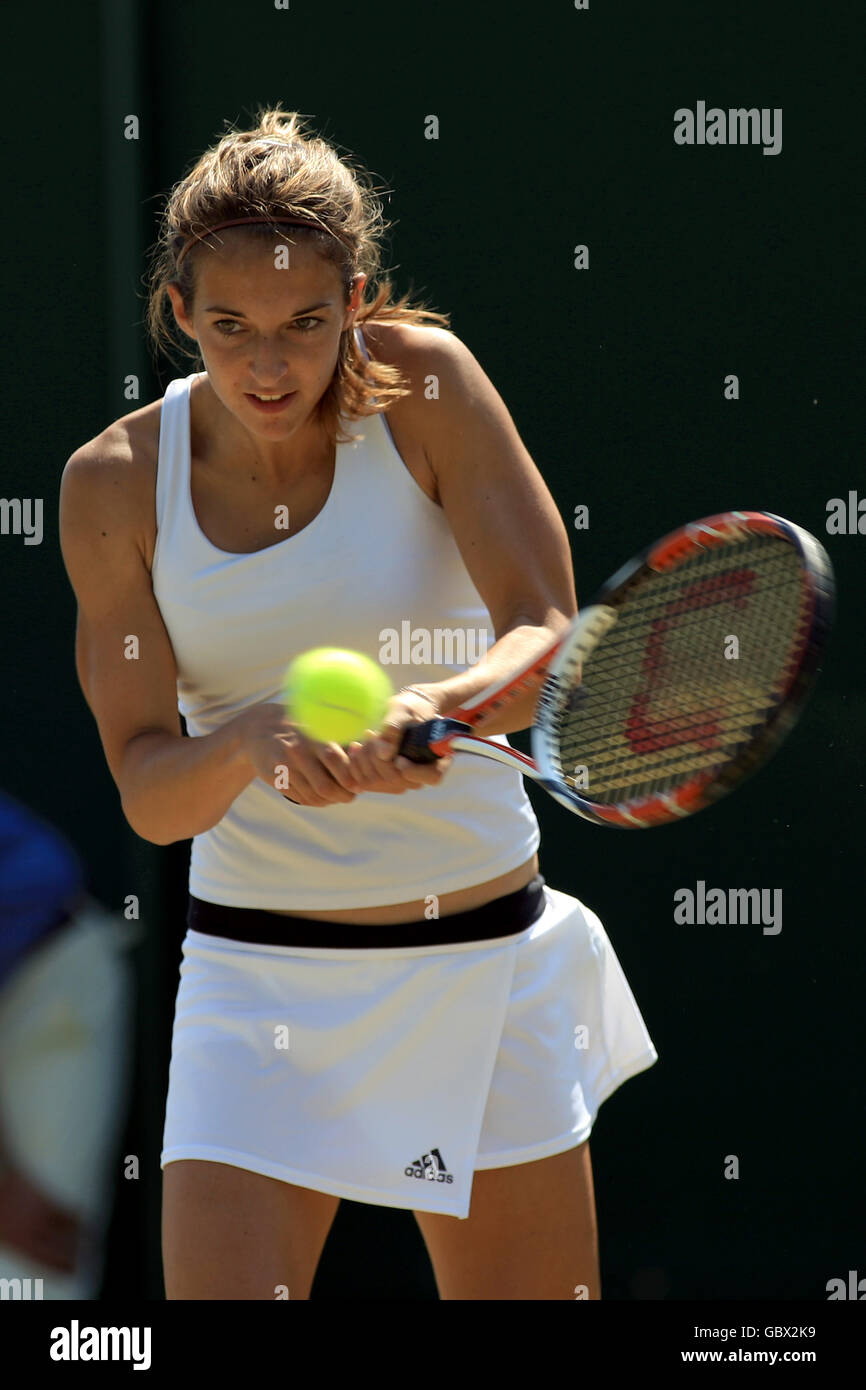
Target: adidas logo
430	1166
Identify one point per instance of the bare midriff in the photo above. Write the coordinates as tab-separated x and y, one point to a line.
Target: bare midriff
463	900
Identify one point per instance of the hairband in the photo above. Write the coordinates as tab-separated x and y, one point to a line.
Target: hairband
249	221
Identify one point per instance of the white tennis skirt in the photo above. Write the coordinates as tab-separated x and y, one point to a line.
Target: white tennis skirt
391	1075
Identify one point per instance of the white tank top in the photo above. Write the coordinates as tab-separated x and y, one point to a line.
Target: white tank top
379	555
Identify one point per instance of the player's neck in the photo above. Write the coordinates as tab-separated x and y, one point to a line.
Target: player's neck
221	441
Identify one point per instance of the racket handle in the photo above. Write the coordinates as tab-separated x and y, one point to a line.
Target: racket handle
419	740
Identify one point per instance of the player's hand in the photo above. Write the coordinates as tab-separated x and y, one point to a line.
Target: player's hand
301	769
35	1225
375	763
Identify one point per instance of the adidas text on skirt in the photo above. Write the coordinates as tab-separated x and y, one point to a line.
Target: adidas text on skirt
391	1074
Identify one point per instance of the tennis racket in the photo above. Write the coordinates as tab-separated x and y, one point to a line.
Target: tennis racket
682	677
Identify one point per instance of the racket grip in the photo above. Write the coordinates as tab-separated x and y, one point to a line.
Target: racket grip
417	738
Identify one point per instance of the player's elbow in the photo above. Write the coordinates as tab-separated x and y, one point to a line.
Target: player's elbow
145	826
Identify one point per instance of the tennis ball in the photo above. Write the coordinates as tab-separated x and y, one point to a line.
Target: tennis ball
335	696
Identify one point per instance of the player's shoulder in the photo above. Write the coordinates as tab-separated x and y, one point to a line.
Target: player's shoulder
416	348
434	364
121	458
113	477
128	443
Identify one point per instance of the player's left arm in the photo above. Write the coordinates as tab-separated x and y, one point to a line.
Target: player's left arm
506	524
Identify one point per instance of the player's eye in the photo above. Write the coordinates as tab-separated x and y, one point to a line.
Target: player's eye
227	327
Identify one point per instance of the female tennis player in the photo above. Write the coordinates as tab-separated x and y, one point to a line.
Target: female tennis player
379	998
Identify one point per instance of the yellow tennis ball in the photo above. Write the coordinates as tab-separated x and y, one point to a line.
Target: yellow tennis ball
335	696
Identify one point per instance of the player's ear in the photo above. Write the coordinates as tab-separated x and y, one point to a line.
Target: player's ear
180	315
358	284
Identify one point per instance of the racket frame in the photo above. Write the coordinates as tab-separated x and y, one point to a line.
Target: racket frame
554	670
709	785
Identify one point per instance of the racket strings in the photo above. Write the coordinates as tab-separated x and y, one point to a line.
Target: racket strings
692	668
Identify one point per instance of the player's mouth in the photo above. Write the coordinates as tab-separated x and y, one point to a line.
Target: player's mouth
270	404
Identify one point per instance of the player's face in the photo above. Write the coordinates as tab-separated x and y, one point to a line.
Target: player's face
268	323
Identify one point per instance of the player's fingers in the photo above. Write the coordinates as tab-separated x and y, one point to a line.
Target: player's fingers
312	785
319	767
373	774
337	762
404	710
422	774
383	763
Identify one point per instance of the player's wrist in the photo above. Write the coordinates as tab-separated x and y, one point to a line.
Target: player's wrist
433	693
241	738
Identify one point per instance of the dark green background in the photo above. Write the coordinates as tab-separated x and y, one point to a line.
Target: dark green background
556	129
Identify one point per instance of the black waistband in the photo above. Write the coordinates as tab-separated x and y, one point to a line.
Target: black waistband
505	916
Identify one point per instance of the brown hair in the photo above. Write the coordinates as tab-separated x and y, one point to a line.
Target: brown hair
277	170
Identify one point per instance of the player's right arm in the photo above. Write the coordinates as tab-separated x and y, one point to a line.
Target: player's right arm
171	787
